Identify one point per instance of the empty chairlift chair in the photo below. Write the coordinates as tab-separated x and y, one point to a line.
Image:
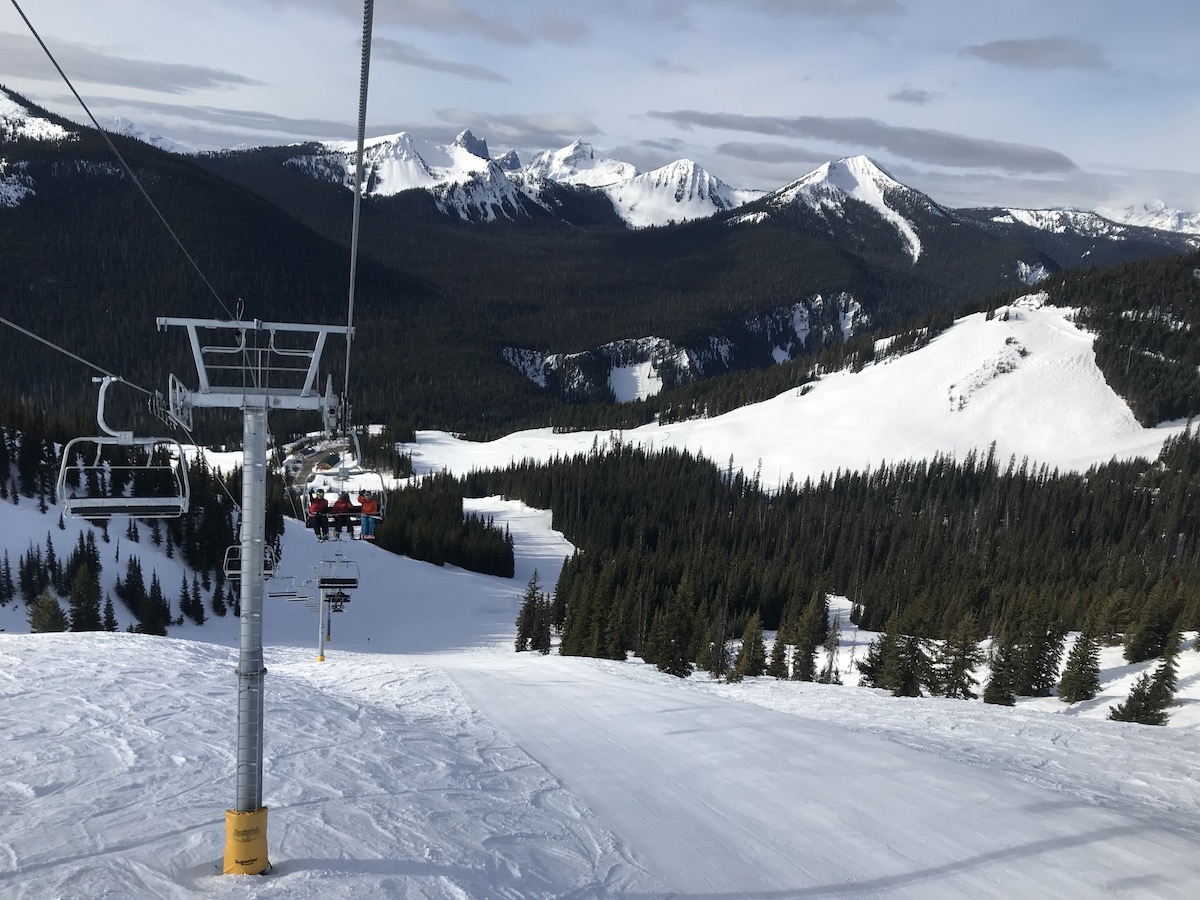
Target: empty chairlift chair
119	474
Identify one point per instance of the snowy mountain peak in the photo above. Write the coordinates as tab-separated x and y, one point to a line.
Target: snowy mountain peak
577	164
473	145
825	189
677	192
129	128
1154	214
508	161
850	175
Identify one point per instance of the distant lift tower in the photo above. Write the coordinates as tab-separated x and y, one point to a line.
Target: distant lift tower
255	367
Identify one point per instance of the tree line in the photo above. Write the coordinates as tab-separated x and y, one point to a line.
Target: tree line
926	545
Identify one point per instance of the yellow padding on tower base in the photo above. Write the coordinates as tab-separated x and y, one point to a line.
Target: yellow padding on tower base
246	842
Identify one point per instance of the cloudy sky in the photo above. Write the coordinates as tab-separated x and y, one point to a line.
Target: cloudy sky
1008	102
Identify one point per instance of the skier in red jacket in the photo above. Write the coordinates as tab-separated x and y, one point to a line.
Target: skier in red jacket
341	510
318	517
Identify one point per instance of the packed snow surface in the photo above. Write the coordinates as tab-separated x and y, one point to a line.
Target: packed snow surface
423	758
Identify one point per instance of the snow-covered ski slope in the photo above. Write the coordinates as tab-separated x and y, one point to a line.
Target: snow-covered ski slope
1026	379
425	759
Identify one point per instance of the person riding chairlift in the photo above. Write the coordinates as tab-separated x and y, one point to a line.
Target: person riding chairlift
341	510
318	516
368	514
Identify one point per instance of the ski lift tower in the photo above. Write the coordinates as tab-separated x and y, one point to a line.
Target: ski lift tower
256	367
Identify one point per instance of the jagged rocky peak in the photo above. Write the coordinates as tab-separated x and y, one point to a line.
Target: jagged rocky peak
578	151
508	161
473	145
576	155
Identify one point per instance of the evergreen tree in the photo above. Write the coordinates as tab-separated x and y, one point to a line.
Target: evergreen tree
46	615
809	632
718	646
1081	677
110	615
958	660
778	666
1152	695
830	674
527	612
8	588
539	640
675	652
53	570
85	601
132	589
999	687
185	597
156	610
752	658
908	667
874	661
558	606
218	600
197	603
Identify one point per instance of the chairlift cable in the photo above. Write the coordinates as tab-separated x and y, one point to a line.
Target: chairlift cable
137	387
364	78
54	346
128	170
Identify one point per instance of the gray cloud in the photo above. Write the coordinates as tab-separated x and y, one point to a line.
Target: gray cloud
768	153
1056	52
666	145
455	17
557	29
522	130
214	119
24	58
669	68
676	11
913	95
827	9
409	55
926	145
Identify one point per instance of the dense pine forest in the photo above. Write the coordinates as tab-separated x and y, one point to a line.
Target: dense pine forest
929	546
1146	317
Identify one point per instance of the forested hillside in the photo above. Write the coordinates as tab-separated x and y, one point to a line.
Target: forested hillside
934	545
1146	316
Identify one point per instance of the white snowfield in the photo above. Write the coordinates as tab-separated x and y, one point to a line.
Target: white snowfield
1026	379
425	759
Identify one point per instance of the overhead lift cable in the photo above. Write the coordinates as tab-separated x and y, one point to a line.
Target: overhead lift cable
128	170
364	78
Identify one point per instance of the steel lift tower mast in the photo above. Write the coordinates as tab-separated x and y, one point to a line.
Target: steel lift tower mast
255	367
